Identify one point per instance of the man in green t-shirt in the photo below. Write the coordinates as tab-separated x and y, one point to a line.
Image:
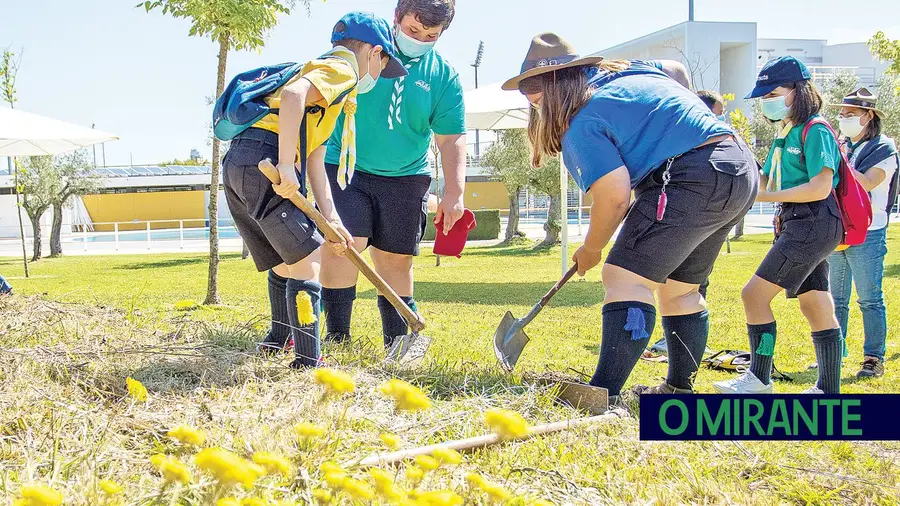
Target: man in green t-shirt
383	203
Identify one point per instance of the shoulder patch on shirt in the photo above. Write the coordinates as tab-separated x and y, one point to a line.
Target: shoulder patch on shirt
794	150
422	84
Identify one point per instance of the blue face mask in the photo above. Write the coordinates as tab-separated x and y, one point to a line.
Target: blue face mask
775	108
720	117
410	46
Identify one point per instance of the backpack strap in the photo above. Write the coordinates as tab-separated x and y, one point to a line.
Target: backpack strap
809	124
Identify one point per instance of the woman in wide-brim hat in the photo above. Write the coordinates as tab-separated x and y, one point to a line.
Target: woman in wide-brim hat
623	126
874	156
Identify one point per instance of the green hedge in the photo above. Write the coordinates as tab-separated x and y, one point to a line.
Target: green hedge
487	228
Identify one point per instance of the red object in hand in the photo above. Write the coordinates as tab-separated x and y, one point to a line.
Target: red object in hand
452	244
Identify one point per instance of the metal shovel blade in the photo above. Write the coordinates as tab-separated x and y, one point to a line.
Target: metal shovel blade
408	350
509	341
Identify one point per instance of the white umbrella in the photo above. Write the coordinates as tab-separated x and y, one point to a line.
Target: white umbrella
26	134
492	108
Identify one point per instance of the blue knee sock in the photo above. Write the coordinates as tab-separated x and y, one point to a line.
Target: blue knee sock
338	304
686	336
281	324
627	327
392	324
307	348
828	344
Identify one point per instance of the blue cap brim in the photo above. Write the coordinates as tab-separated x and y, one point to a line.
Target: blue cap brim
761	91
394	69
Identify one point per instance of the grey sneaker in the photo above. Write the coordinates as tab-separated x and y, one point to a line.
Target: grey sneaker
814	390
872	367
663	388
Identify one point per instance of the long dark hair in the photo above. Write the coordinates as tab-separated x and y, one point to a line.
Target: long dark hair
807	102
873	127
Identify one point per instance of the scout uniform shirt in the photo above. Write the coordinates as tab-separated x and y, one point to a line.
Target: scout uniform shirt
395	121
820	150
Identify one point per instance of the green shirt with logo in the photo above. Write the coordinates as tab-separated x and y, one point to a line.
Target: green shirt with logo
821	150
395	121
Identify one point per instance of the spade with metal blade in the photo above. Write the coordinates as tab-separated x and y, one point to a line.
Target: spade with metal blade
510	338
405	350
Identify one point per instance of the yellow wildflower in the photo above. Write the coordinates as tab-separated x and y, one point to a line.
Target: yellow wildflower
390	440
506	424
447	456
308	431
38	495
439	498
384	485
110	487
336	480
322	496
427	463
253	501
475	480
406	397
358	489
171	469
414	474
335	382
305	313
540	502
330	467
274	464
136	389
496	492
228	468
188	435
185	305
228	501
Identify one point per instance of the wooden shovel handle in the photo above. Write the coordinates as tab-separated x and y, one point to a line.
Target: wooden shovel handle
416	323
559	284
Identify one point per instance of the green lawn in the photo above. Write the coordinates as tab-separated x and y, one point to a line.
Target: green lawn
64	355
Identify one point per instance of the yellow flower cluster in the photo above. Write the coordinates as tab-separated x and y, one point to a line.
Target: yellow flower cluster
273	464
447	456
406	397
390	440
136	389
228	468
506	424
188	435
305	313
496	493
110	487
307	431
38	495
338	479
322	496
185	305
385	487
171	469
439	498
335	382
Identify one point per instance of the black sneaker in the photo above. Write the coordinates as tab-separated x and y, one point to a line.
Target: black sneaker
337	337
872	367
663	388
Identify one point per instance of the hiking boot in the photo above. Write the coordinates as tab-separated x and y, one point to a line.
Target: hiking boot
272	346
337	337
814	390
746	383
872	367
661	389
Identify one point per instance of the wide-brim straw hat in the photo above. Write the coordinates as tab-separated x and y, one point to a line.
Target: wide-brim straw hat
861	98
549	52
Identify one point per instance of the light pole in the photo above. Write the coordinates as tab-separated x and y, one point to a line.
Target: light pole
477	64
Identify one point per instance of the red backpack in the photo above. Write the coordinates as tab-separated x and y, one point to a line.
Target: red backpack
852	199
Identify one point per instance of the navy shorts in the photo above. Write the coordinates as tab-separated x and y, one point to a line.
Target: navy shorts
711	189
391	212
273	228
798	261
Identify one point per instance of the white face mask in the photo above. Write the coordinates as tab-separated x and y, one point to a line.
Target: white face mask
366	82
851	127
410	46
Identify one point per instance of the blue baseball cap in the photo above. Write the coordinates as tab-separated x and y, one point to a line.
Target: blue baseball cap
779	72
371	29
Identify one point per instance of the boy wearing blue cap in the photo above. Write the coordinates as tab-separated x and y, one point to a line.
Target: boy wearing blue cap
800	174
280	237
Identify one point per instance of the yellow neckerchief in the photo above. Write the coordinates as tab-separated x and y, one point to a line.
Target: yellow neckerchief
347	161
774	183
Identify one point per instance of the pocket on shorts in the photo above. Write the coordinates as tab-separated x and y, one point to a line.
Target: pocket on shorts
641	223
293	235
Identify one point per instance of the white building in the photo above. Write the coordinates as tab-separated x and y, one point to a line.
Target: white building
726	56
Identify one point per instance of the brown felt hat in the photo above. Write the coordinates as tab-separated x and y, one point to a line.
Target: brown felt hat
548	52
861	98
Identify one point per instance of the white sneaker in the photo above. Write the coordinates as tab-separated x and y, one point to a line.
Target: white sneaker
814	390
746	383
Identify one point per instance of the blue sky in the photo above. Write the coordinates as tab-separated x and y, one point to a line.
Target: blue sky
141	77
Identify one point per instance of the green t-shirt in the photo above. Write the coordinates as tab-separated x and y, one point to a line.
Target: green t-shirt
821	150
395	121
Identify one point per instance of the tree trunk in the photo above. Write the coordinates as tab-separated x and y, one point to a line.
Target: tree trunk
245	251
14	168
56	231
512	225
553	226
739	229
212	287
36	232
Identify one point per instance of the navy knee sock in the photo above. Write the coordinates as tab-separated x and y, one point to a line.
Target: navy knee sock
829	348
280	329
306	337
338	304
627	327
686	336
392	323
762	350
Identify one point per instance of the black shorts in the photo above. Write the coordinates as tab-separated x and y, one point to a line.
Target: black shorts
273	228
810	232
711	189
390	211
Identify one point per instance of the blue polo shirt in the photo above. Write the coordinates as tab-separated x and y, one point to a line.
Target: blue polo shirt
638	118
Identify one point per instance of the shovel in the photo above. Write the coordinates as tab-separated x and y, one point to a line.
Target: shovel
405	350
510	338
